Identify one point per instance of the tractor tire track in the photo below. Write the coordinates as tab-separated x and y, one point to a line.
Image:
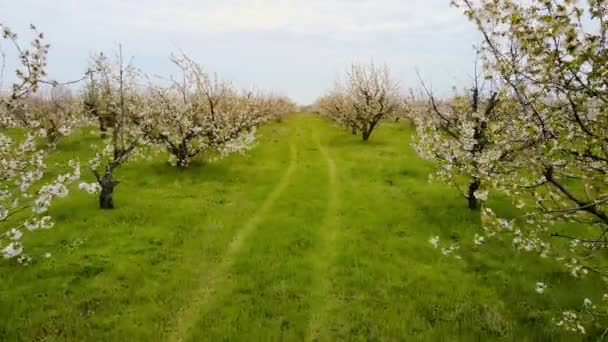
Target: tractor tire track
188	315
328	233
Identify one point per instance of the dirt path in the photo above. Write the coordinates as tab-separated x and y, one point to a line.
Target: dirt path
189	314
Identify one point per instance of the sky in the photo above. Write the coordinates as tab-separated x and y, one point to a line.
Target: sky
293	47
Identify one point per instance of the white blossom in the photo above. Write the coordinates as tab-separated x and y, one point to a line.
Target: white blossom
481	195
540	287
479	240
12	250
91	188
587	303
434	241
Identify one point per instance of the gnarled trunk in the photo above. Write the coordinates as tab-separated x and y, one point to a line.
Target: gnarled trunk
107	183
182	154
366	134
473	187
103	128
53	136
368	129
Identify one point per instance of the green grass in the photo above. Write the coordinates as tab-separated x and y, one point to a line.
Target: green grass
312	235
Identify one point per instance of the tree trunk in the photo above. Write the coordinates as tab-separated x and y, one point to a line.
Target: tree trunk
53	136
366	134
182	162
103	127
183	159
106	196
473	187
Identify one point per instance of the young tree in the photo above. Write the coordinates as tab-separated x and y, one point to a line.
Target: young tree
467	137
551	56
366	96
56	112
279	106
199	114
460	137
333	106
117	98
24	200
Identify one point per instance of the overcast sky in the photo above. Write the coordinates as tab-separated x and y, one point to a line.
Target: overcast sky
295	47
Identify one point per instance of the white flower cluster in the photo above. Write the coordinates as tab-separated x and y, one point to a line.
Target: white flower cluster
479	239
540	287
435	242
576	269
241	144
481	195
91	188
16	217
570	321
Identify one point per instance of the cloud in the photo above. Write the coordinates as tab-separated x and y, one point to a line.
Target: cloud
295	16
296	46
337	17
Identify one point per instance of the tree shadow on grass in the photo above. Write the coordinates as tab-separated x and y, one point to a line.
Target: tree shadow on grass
346	141
81	143
196	172
413	173
449	213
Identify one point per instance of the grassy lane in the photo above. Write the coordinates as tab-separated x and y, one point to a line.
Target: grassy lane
213	278
266	296
386	282
327	237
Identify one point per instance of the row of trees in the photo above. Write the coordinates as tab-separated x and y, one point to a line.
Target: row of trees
537	132
367	95
533	126
187	116
193	114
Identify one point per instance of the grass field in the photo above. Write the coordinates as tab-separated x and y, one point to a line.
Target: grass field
312	235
